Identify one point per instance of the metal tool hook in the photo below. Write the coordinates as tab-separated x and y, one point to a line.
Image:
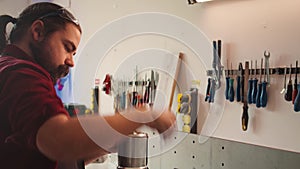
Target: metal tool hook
267	53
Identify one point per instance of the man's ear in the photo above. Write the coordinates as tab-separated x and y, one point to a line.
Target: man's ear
37	30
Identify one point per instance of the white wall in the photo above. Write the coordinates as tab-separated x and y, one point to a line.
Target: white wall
246	27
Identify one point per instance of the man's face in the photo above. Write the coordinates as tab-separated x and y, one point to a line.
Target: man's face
55	52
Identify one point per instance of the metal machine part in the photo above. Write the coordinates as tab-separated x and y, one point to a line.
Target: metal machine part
133	152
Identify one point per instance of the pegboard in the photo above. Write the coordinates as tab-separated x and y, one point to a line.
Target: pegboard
215	153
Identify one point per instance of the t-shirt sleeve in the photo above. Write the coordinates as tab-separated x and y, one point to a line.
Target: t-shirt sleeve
33	101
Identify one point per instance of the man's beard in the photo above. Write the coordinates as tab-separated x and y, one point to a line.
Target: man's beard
59	72
43	59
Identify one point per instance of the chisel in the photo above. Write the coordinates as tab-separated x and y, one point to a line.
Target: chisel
245	116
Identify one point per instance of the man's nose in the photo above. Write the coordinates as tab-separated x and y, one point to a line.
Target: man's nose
70	61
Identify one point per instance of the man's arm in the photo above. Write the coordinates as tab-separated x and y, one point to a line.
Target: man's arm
67	139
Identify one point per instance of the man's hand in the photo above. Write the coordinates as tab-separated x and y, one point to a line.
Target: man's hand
163	121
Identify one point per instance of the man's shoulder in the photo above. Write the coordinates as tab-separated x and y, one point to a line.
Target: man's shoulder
9	63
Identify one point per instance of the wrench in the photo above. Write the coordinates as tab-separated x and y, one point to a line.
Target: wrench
267	71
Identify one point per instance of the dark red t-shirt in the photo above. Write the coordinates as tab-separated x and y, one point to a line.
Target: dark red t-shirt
27	100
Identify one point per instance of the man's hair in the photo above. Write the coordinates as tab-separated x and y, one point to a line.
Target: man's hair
54	17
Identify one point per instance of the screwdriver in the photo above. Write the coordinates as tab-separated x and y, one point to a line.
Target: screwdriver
245	116
284	83
259	86
212	90
231	90
238	83
250	83
289	92
207	90
242	84
264	96
227	83
254	88
297	100
295	92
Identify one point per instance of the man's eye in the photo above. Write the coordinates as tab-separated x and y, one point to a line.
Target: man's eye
68	48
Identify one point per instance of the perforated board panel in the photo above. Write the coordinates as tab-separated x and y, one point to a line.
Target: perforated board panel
214	154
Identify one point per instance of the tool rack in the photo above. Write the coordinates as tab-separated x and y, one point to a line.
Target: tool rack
248	90
272	71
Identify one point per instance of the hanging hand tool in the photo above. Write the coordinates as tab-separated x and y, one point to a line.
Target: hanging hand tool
239	82
123	95
289	93
152	88
297	100
295	92
283	91
219	51
259	88
107	84
227	82
250	85
219	47
208	90
245	116
242	86
180	57
254	85
267	66
147	90
264	95
231	89
141	96
156	82
212	91
134	90
215	63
